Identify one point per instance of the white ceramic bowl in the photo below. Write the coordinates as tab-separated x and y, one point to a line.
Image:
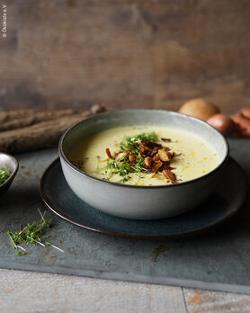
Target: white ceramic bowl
141	202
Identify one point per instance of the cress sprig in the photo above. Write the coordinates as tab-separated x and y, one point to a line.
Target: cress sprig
32	233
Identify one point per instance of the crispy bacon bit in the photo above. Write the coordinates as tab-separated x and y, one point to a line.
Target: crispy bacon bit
166	139
147	148
164	155
120	156
148	162
131	157
169	175
156	157
151	145
156	166
143	149
154	151
109	154
166	166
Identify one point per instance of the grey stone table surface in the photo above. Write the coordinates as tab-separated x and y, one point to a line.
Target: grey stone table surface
36	292
29	292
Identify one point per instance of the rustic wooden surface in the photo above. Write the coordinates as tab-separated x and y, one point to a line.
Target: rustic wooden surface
38	130
22	292
125	53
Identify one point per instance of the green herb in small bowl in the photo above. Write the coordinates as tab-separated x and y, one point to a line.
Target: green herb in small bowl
8	171
4	174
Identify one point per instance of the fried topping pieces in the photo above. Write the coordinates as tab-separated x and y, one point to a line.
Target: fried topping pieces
143	153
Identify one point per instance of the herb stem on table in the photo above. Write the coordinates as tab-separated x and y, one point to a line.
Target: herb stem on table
32	233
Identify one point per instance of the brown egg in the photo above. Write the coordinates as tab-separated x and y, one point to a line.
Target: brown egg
222	123
199	108
245	112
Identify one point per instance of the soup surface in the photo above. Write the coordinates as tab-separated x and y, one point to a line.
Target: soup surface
145	156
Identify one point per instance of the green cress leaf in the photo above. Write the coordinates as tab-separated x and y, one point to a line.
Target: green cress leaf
4	174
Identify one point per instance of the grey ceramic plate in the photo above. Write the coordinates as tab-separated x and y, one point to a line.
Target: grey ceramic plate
231	193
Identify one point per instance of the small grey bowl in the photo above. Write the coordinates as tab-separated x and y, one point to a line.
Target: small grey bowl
141	202
11	163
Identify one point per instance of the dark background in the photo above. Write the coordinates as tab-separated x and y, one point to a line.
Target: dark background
125	53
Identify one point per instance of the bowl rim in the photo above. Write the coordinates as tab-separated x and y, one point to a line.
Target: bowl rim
196	120
13	174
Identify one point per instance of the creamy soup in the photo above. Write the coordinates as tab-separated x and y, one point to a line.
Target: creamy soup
145	156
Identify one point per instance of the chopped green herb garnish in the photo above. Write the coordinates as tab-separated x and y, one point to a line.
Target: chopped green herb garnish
121	168
139	166
132	143
21	253
125	179
4	174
